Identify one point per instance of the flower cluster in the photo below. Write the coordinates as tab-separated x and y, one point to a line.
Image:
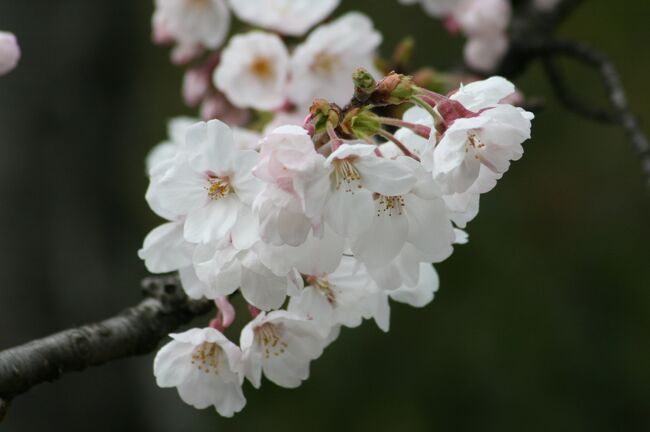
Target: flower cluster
9	52
483	22
317	227
264	69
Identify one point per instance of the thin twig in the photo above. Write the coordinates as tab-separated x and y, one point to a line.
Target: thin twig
620	112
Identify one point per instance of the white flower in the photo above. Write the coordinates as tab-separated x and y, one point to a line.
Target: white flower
161	159
165	250
224	269
491	136
344	296
210	183
287	162
205	367
281	345
483	17
355	173
322	66
416	216
9	52
253	71
290	17
193	22
484	53
420	293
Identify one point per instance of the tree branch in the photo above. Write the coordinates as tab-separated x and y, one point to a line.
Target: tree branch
532	37
136	331
620	112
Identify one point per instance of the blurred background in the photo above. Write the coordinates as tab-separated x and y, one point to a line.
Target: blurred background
542	320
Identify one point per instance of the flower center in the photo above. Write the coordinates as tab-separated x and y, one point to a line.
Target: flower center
206	357
218	187
324	62
270	337
323	285
390	205
262	68
347	175
473	140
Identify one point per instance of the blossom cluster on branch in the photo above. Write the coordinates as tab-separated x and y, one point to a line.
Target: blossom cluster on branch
317	221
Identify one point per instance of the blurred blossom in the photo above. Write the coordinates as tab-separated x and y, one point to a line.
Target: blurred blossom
9	52
289	17
484	54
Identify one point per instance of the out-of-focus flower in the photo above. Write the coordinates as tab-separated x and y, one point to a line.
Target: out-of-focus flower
484	54
253	71
192	23
290	17
483	17
321	67
9	52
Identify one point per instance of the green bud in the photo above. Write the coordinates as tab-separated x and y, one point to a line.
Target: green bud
364	84
361	123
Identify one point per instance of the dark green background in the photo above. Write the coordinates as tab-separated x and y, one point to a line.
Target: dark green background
542	320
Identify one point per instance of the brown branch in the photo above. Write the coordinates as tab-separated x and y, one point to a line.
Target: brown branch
620	112
136	331
532	37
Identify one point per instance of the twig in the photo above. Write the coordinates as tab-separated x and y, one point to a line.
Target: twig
135	331
620	112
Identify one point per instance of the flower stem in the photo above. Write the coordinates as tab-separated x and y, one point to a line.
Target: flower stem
336	141
437	118
389	136
421	130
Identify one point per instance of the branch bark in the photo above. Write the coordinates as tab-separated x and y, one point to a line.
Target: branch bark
136	331
533	37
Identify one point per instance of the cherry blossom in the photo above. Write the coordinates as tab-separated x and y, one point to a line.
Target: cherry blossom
253	71
487	134
321	66
192	23
281	345
210	183
288	160
205	367
290	17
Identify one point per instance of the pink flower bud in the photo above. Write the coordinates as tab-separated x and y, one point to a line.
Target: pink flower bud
183	54
196	84
9	52
159	32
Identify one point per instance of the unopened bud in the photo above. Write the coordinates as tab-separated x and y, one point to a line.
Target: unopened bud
395	89
364	84
360	123
323	112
